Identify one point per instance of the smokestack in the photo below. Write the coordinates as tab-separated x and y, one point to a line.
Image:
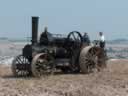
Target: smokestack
35	30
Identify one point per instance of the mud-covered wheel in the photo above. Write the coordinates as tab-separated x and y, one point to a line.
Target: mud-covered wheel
92	58
21	66
42	65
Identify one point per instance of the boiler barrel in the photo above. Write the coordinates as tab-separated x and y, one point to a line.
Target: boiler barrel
35	30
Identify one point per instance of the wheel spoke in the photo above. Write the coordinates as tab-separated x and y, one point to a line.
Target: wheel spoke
18	60
92	51
24	60
89	56
74	36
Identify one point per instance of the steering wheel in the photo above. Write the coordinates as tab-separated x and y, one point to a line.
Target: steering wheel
74	39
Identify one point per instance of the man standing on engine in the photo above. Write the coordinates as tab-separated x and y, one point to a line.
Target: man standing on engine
102	40
86	39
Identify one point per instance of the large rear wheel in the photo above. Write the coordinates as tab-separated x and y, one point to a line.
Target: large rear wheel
91	59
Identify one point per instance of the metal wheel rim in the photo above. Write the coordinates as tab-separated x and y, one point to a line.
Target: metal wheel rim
91	60
40	68
19	67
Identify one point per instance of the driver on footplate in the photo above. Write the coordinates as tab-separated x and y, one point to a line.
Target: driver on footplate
102	40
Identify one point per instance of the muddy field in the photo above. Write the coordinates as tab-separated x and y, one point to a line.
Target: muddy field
111	82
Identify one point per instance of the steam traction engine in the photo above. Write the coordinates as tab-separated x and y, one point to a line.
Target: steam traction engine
57	52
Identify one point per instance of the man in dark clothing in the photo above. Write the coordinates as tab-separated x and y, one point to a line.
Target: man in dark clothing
86	39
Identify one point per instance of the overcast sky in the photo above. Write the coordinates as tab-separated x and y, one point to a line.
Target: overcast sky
64	16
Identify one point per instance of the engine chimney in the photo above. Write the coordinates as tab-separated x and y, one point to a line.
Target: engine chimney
35	30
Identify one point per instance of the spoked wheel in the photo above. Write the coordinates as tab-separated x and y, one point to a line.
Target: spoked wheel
42	65
21	66
74	39
91	58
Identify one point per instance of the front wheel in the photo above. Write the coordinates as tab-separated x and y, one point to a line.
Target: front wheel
21	66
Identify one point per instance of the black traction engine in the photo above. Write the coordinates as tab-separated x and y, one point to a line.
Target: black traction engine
52	52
